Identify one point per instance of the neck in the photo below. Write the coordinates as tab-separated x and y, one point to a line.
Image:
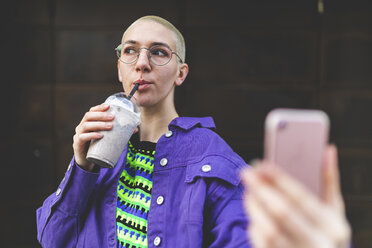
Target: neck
155	121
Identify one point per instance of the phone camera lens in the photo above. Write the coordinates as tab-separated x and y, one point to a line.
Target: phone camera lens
282	125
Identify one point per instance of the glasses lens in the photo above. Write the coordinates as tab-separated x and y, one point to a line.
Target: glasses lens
160	55
127	53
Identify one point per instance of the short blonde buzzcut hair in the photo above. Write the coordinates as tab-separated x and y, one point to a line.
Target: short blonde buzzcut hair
180	41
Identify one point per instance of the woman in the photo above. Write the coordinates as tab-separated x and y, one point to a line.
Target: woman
177	182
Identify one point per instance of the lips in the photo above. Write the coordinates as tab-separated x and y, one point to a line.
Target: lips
143	84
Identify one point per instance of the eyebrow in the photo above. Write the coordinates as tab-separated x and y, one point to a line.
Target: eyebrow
152	44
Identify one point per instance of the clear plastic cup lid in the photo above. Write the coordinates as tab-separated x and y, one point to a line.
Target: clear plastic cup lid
121	100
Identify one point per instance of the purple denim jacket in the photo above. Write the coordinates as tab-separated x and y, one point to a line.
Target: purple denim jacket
198	179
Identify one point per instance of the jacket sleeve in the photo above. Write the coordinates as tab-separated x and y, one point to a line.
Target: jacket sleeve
59	218
227	219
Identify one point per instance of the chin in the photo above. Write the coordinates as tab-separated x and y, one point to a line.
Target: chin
144	102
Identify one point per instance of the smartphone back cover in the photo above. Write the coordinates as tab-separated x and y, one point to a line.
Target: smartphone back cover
295	140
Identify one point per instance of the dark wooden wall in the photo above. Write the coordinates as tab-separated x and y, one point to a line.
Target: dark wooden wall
245	59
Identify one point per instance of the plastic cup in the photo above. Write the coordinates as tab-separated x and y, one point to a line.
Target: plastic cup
107	150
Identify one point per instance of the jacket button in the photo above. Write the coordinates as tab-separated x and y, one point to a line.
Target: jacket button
58	192
157	241
163	162
160	200
206	168
168	134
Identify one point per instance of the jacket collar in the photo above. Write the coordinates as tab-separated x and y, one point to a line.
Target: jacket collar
187	123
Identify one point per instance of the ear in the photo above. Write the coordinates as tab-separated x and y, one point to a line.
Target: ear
119	75
183	71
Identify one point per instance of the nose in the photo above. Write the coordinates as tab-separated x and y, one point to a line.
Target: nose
143	61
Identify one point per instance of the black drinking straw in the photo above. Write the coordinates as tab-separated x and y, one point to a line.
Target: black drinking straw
133	91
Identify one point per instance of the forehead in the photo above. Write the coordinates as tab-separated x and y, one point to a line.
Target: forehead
148	32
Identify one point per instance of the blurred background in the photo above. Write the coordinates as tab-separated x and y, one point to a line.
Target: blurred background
245	58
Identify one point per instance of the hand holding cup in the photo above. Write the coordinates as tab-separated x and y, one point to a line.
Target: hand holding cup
95	120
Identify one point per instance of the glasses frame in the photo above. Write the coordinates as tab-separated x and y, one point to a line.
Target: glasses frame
119	48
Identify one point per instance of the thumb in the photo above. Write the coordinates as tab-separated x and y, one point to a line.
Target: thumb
331	180
136	130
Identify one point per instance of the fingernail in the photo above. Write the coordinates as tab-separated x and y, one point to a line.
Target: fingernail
108	125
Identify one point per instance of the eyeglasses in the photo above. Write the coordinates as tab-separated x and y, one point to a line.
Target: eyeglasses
158	54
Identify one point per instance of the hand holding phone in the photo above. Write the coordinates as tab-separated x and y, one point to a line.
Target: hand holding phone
282	213
295	140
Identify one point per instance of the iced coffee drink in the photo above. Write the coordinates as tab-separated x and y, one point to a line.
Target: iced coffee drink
106	151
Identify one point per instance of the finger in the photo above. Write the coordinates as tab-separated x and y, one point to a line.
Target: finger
245	175
94	116
331	194
276	223
260	228
98	116
299	212
93	126
295	193
257	237
266	231
81	139
80	146
136	130
336	224
272	203
257	216
264	228
100	108
258	223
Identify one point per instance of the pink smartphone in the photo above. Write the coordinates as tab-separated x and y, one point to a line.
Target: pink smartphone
295	140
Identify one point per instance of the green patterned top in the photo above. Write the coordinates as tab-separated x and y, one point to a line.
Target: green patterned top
134	195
